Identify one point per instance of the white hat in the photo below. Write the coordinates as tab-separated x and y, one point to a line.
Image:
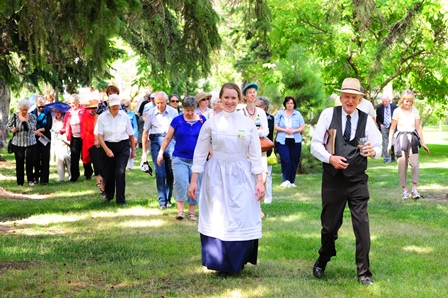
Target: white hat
114	100
351	85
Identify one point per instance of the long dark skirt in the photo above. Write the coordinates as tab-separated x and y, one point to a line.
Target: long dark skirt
228	256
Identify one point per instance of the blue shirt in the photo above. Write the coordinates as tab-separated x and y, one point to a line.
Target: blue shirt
297	121
186	135
133	120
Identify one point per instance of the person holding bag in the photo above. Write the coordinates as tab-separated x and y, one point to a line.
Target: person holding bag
23	125
43	135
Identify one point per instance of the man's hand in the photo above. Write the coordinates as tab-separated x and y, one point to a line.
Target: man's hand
338	162
144	156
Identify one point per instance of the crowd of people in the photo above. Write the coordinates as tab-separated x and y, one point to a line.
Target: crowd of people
206	152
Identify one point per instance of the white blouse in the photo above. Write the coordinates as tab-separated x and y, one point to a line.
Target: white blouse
114	129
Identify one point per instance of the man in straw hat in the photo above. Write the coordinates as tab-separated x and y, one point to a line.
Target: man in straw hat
344	179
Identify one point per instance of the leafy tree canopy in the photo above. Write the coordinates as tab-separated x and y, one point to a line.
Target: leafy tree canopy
378	42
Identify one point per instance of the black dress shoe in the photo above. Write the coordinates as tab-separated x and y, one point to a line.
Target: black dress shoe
367	281
319	269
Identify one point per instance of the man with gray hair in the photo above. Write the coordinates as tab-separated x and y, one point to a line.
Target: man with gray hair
384	113
156	126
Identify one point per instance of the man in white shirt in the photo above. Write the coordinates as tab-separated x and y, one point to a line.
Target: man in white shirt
366	106
344	179
157	122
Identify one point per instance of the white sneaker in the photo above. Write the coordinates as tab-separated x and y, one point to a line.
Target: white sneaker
285	183
415	194
404	195
292	185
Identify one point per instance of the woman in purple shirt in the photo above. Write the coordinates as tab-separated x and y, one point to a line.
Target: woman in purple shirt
185	129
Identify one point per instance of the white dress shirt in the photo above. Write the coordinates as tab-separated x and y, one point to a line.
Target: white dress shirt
318	141
114	129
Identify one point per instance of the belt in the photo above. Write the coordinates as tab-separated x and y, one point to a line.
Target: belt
158	134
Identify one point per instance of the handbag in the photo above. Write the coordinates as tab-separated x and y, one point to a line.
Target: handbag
266	144
10	146
272	159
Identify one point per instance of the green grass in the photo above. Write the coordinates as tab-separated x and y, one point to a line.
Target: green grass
68	243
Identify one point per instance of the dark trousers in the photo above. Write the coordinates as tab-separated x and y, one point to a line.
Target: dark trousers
95	157
115	170
290	158
75	155
24	155
41	162
336	192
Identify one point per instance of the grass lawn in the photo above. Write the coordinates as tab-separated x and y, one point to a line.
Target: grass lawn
62	240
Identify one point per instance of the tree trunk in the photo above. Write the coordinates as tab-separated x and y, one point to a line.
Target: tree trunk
5	98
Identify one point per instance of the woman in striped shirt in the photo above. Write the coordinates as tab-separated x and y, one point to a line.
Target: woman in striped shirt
23	125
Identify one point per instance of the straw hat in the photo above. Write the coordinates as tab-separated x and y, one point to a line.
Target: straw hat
351	85
93	104
202	95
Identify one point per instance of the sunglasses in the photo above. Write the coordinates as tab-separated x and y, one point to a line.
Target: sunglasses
40	107
204	99
174	101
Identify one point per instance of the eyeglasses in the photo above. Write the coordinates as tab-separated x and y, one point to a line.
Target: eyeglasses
174	101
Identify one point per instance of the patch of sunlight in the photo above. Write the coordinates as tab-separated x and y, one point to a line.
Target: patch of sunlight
135	211
237	293
142	224
35	232
419	250
46	219
289	218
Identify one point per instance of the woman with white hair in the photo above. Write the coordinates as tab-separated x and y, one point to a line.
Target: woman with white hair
23	125
72	127
216	104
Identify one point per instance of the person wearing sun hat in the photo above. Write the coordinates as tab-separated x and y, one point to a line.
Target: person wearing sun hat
116	137
344	179
203	100
90	153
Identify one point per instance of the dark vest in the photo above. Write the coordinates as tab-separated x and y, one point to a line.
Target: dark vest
357	162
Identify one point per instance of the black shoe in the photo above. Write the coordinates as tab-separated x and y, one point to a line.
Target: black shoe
367	281
89	177
121	204
103	193
319	269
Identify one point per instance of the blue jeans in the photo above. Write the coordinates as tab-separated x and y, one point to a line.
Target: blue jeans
182	177
290	157
164	172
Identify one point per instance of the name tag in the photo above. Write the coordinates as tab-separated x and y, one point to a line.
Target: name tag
241	134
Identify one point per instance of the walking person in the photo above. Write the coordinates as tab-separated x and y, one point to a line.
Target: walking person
157	123
23	125
384	114
344	180
263	103
406	135
289	125
61	146
116	138
73	128
185	130
44	122
257	115
231	189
